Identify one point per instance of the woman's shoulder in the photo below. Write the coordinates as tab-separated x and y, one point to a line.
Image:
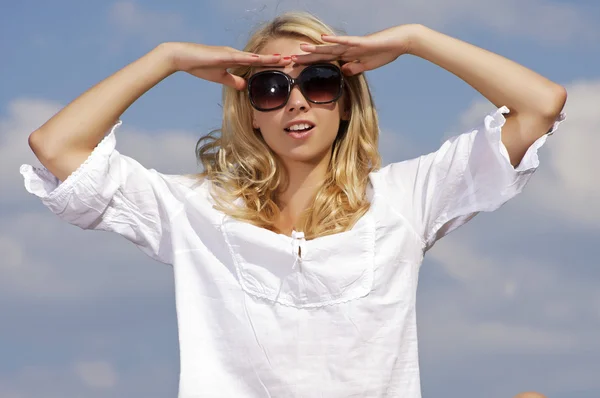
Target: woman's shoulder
192	181
393	171
181	188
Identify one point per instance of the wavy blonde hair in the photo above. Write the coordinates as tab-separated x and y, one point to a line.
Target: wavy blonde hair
240	164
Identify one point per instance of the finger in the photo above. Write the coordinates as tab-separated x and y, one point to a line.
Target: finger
268	63
240	57
284	61
353	68
253	59
324	49
233	81
271	60
312	58
346	40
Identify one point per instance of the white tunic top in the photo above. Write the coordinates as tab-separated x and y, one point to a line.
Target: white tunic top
256	319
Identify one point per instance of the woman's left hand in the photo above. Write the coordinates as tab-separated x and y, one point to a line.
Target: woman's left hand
362	53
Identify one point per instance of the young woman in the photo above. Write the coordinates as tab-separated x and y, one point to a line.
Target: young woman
295	255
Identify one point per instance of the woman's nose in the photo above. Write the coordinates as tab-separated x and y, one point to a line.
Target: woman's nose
297	100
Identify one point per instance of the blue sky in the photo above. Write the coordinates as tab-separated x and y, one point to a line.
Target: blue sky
509	302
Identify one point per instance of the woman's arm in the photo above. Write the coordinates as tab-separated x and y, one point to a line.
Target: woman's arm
66	140
534	101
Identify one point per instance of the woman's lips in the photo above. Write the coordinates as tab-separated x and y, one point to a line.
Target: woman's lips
300	134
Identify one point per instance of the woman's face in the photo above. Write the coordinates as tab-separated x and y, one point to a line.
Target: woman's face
315	147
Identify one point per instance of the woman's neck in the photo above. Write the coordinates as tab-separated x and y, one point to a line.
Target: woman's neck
304	180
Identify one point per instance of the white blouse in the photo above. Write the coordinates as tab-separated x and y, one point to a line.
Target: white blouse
256	319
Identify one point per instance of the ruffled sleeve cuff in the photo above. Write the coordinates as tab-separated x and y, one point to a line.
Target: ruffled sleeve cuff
494	123
478	176
54	193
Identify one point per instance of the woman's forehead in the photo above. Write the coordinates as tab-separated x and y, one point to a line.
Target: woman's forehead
292	69
285	46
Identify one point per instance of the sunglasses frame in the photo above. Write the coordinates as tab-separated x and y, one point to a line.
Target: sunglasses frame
293	82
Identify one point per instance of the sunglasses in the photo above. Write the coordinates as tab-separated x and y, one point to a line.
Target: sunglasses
319	83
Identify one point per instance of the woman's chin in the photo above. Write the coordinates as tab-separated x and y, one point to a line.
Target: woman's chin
304	154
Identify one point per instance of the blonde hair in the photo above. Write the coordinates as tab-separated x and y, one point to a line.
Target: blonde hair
240	164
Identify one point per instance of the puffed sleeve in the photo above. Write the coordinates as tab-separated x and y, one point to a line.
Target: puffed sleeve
469	173
111	192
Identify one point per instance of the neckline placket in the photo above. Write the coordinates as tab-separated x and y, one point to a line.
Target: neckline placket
298	248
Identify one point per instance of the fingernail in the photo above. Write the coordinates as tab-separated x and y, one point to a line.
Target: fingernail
276	54
287	58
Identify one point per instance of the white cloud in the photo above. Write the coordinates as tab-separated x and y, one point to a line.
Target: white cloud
96	374
22	273
151	26
493	275
168	151
394	146
12	253
554	22
89	379
568	184
34	381
23	116
501	303
501	337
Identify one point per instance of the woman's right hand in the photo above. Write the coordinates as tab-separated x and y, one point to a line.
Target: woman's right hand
211	62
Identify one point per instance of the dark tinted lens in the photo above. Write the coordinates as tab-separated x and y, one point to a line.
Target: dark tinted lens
321	83
269	90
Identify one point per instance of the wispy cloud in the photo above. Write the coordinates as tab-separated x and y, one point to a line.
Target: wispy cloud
22	116
153	27
545	21
96	374
88	379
